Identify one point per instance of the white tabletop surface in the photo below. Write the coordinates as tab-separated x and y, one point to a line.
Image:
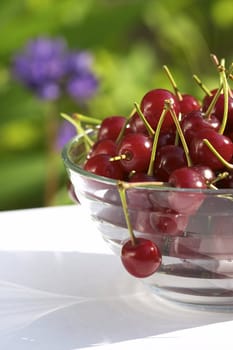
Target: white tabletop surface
61	288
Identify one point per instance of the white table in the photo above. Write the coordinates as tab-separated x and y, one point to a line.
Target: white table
61	288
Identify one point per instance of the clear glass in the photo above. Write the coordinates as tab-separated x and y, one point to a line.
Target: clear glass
193	229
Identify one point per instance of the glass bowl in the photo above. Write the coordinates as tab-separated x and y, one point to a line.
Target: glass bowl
192	228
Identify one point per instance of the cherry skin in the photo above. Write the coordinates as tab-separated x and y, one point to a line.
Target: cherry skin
194	121
168	222
104	146
219	107
205	171
187	177
189	103
136	125
152	105
201	154
141	259
168	158
110	127
186	202
101	165
137	150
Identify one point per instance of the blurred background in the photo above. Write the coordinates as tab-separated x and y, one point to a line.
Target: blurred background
95	57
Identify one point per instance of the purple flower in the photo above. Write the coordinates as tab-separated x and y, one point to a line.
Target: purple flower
47	68
82	87
41	66
78	62
66	132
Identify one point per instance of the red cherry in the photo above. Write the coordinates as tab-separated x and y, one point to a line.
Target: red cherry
101	165
205	171
152	105
194	121
111	127
136	125
201	154
168	158
137	151
188	104
168	222
219	107
141	259
186	202
104	146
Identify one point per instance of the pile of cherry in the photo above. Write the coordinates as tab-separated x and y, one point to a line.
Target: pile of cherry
172	139
123	149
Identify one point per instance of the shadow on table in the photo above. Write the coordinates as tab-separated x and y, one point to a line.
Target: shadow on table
68	300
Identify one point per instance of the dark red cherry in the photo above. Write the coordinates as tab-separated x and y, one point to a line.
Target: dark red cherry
189	103
195	121
187	177
136	125
205	171
202	155
152	105
218	108
101	165
166	138
136	148
141	259
110	127
168	158
104	146
168	222
186	202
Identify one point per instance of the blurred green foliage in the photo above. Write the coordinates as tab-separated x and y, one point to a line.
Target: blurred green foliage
130	39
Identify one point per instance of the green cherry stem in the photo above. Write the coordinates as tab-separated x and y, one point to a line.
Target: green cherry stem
141	115
213	102
201	85
222	72
167	107
180	133
226	98
122	132
173	83
122	194
155	141
86	119
80	130
217	154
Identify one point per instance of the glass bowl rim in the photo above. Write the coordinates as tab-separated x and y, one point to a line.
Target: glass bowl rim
78	169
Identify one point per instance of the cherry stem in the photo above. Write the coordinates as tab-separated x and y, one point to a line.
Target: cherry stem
146	123
217	154
221	68
155	141
213	102
80	130
223	77
119	157
180	133
220	177
168	106
201	85
122	132
86	119
122	192
174	85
